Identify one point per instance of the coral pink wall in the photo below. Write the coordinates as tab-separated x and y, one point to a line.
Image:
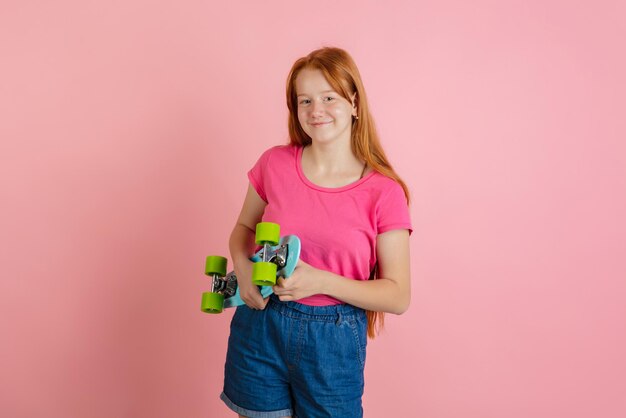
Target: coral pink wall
127	128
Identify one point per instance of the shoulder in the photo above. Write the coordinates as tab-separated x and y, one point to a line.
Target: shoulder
383	186
278	153
382	180
281	150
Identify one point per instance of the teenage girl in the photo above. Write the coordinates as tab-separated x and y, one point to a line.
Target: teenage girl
301	352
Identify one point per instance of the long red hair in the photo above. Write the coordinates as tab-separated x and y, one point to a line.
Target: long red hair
343	75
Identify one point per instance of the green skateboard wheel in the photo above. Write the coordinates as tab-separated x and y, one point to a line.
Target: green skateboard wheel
264	274
212	302
267	233
215	265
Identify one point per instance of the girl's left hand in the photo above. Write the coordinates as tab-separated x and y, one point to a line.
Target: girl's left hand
302	283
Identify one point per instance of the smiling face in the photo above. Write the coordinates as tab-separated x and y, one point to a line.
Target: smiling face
323	113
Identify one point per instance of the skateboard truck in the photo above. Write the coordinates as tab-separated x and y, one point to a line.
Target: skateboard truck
227	285
277	256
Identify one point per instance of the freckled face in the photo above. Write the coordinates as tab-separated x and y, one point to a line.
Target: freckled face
322	112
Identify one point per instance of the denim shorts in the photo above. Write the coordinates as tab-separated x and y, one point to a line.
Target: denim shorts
296	360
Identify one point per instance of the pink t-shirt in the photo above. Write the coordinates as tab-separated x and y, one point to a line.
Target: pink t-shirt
337	226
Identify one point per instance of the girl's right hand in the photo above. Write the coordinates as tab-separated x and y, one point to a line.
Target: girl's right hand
249	292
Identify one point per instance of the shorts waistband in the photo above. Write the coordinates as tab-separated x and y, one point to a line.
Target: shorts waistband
330	313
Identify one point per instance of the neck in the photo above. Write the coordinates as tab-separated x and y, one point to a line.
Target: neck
334	157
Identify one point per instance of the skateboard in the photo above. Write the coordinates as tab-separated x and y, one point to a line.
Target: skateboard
277	258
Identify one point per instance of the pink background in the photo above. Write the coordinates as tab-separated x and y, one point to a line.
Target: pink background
127	128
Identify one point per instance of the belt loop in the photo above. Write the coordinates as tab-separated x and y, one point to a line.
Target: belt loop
338	318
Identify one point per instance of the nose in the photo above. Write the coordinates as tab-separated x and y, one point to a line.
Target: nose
316	108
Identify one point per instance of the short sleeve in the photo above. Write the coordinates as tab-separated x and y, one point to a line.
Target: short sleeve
393	210
257	174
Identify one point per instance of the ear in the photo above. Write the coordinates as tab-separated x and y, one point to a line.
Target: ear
353	98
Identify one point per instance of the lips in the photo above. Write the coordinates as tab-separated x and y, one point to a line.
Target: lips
319	123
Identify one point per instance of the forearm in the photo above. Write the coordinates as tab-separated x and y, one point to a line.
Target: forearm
241	243
381	295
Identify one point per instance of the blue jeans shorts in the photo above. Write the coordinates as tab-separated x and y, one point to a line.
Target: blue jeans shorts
296	360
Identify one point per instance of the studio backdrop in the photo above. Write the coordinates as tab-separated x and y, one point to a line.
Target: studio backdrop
127	129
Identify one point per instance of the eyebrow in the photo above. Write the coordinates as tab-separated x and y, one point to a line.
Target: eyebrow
325	91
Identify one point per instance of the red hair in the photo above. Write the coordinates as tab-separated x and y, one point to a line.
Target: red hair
342	74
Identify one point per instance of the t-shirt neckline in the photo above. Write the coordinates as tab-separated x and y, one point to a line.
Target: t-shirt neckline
314	186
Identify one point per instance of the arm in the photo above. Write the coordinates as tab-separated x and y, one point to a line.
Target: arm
391	292
242	245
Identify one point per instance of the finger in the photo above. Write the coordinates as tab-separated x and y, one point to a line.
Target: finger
250	304
285	298
287	284
259	305
281	290
255	302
